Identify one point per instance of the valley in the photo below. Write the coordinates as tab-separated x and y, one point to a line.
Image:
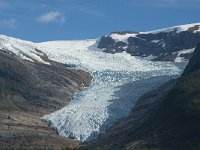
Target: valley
76	91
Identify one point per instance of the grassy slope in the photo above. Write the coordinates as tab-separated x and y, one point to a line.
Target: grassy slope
27	92
177	124
179	115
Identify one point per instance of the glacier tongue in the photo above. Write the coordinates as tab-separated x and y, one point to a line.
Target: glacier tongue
118	81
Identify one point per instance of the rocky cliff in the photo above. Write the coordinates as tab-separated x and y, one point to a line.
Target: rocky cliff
170	44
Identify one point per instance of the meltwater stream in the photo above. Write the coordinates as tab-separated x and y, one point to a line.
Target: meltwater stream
118	81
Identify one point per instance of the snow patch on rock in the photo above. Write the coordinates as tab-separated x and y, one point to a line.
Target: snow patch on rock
182	59
122	37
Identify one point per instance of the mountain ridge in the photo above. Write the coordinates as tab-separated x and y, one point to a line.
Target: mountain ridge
162	45
169	44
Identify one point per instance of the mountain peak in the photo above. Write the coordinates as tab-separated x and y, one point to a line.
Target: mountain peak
193	27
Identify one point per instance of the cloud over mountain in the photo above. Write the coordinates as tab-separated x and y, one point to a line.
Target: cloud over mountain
52	16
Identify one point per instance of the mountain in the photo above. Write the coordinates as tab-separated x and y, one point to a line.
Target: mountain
32	85
75	90
167	118
41	85
170	44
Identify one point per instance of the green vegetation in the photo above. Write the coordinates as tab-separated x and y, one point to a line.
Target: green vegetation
185	96
179	116
177	122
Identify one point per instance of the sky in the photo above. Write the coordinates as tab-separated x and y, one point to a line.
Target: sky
45	20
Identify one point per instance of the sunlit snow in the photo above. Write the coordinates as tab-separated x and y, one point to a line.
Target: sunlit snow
122	37
23	49
182	59
178	29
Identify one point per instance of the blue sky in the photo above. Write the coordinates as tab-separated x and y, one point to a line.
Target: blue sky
43	20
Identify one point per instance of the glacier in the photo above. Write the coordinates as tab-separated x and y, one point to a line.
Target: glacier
118	81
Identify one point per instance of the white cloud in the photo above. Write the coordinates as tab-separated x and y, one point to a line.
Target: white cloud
10	23
52	16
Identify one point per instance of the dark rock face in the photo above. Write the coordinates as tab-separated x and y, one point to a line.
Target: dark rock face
27	92
159	44
194	64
